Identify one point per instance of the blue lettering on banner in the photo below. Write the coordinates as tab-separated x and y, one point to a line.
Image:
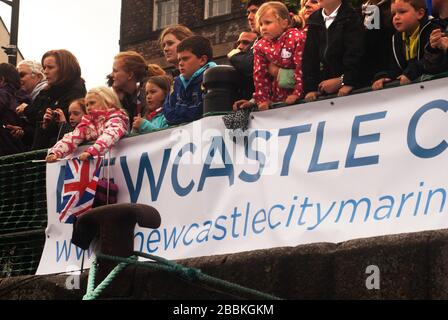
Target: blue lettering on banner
308	216
64	251
413	146
273	226
186	243
292	132
145	165
257	221
203	235
254	155
220	227
207	172
181	191
153	241
314	165
172	237
357	140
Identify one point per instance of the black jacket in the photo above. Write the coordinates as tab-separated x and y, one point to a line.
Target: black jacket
413	68
243	63
338	50
135	103
53	97
436	60
378	44
10	98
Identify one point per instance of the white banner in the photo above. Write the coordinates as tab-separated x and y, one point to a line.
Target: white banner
367	165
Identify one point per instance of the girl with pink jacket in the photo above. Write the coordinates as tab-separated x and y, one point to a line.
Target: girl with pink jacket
105	123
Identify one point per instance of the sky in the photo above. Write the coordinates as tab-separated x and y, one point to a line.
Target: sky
90	29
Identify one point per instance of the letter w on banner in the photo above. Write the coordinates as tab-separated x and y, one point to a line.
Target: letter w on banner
80	181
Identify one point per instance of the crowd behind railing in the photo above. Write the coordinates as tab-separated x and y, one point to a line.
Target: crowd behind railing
326	48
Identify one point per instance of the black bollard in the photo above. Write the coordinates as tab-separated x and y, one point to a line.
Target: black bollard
221	84
114	224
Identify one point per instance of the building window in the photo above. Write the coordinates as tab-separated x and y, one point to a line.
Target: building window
166	13
215	8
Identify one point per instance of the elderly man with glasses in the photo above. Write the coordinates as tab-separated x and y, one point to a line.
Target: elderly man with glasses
32	80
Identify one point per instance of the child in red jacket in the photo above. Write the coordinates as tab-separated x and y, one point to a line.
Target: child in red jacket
282	45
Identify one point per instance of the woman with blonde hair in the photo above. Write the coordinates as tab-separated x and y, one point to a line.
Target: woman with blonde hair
105	123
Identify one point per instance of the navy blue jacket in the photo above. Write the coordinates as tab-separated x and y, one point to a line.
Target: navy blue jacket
436	60
185	103
413	68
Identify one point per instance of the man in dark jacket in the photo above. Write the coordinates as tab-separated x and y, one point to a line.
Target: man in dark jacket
334	48
243	61
378	36
436	54
10	97
244	49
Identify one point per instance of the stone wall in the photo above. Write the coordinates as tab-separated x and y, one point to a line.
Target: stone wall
411	266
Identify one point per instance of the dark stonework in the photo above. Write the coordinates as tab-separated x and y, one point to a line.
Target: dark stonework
412	266
137	28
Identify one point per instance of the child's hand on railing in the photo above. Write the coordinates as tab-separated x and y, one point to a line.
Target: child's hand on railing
311	96
344	90
137	122
291	99
330	86
84	156
404	80
242	104
379	84
51	158
264	105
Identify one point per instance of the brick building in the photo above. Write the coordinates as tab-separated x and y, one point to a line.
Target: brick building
142	21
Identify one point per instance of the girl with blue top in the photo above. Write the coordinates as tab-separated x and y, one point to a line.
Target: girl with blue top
156	89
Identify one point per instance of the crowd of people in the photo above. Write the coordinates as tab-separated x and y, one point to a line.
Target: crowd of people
326	48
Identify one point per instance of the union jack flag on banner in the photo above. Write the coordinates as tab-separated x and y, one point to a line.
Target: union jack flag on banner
80	181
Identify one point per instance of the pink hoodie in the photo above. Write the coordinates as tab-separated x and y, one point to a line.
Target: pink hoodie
106	127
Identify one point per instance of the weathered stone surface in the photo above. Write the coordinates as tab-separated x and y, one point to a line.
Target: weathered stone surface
412	266
37	288
402	262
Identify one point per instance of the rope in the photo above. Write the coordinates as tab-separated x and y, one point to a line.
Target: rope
92	293
191	274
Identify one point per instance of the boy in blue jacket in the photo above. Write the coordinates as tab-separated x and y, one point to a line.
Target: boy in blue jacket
185	103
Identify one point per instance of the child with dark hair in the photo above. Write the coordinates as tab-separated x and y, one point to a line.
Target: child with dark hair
76	110
436	54
185	103
413	30
157	89
334	49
